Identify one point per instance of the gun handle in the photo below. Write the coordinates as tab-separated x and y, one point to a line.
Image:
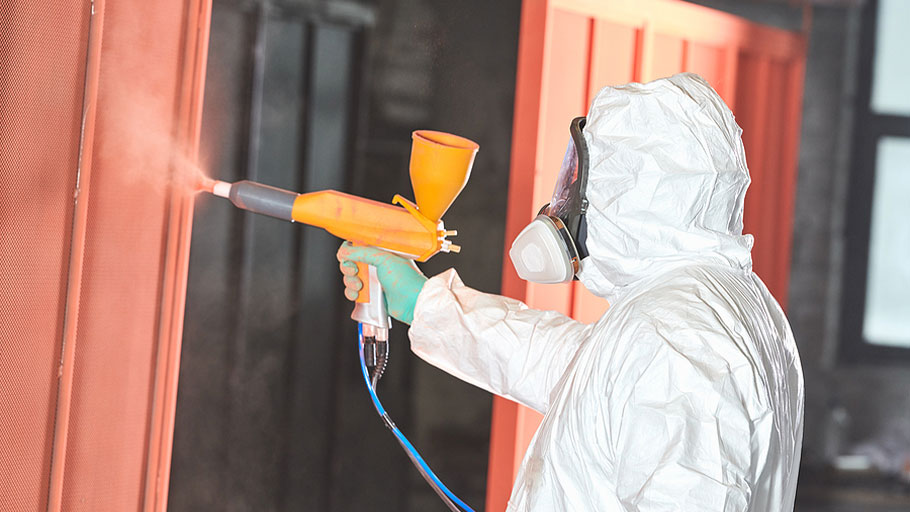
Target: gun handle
371	311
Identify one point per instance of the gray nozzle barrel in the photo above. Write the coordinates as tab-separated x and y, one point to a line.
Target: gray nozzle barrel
259	198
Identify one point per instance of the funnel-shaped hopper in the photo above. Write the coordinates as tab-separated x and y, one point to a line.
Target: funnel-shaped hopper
440	166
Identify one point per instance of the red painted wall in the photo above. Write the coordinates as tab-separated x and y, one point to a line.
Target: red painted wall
101	104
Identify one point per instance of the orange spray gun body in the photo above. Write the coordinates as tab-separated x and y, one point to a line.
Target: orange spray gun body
439	169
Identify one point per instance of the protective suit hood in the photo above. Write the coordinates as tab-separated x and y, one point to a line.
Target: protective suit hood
666	183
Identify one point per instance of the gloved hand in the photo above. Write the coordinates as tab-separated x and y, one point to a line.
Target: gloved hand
400	278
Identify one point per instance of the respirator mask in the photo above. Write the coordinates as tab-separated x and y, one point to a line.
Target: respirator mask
551	247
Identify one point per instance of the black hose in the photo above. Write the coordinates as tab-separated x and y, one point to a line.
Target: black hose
381	352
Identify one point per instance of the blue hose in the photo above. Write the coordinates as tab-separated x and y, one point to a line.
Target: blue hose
415	456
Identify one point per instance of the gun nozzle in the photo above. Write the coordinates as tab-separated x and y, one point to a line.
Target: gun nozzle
220	188
455	248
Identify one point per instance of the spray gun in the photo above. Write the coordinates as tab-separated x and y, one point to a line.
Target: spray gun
439	168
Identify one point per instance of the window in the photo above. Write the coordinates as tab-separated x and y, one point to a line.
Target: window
876	292
885	318
891	74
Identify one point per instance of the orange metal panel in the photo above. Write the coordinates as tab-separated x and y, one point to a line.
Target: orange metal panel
187	135
94	281
43	73
77	251
772	177
667	56
752	115
501	466
727	89
640	41
691	23
564	92
613	53
524	134
587	307
644	53
134	271
709	62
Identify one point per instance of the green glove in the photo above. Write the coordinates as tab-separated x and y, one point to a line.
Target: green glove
400	278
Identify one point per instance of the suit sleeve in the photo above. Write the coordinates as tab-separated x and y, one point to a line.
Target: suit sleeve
493	342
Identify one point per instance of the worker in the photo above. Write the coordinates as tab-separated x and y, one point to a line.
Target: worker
687	394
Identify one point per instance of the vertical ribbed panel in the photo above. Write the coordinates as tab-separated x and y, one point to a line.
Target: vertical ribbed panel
42	70
93	245
125	255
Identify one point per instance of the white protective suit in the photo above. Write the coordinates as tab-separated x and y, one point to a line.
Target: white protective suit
688	393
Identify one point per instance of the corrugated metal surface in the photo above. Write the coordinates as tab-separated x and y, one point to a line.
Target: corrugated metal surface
42	70
92	267
569	49
124	256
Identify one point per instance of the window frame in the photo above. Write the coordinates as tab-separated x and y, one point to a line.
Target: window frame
869	128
